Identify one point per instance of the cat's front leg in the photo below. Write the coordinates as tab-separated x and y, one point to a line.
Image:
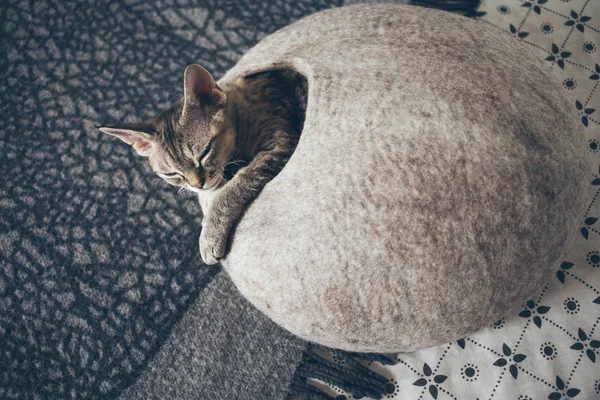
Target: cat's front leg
218	220
213	239
227	205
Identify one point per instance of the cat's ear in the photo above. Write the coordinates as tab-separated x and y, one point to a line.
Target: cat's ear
200	89
140	136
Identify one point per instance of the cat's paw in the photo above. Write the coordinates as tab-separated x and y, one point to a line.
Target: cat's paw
212	244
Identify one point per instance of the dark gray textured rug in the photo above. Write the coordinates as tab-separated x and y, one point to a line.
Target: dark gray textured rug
100	278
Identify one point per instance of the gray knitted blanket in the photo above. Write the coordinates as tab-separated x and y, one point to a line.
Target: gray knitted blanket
102	291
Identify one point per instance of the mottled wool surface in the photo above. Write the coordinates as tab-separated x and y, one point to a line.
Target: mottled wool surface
436	162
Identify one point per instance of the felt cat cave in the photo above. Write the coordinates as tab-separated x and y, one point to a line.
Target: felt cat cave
435	185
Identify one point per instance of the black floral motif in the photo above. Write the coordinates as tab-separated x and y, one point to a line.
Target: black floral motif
570	83
578	21
548	351
532	310
523	397
596	75
593	144
516	33
597	386
502	9
547	28
593	259
391	389
517	358
571	305
534	5
564	266
584	112
498	324
589	47
558	56
433	382
596	181
469	372
568	394
586	345
461	343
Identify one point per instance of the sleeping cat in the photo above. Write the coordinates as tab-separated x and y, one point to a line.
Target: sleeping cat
224	143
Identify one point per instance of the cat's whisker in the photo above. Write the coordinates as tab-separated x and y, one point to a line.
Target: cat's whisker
232	162
237	162
184	189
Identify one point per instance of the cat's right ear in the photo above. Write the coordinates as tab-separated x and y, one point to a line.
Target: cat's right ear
200	89
137	135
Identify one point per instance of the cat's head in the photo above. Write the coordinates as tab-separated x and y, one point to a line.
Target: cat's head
181	143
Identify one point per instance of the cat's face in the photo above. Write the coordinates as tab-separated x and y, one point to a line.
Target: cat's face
180	145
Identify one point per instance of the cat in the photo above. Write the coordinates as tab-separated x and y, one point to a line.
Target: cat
224	143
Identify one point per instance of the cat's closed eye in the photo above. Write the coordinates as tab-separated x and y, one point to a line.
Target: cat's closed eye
174	178
170	174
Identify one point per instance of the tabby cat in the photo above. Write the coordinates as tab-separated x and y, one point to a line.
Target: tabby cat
224	143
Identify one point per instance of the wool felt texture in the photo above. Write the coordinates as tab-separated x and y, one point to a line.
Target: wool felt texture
98	257
553	337
438	160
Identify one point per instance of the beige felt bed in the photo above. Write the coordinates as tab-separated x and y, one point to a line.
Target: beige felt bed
557	330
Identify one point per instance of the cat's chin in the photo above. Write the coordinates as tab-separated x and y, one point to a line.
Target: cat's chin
213	184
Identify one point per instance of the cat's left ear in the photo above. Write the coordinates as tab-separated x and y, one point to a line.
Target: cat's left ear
200	89
140	136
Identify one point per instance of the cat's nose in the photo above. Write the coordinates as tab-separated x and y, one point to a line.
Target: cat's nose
198	184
